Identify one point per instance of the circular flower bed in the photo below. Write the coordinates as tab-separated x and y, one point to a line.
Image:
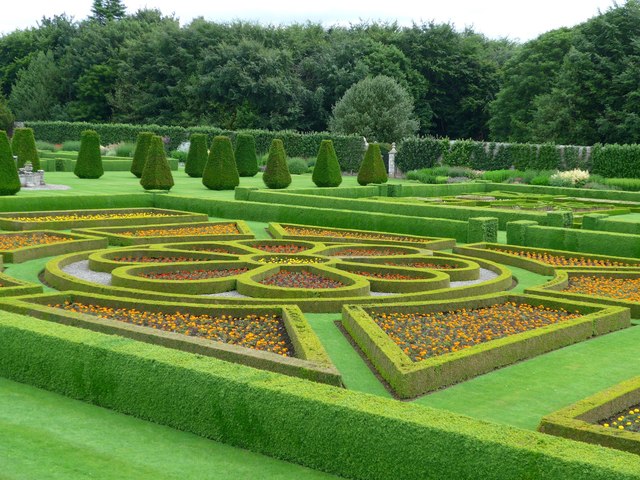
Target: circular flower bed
259	332
194	274
20	240
628	420
425	335
622	288
561	261
303	279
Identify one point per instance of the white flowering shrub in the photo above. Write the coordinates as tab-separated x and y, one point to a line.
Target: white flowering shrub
570	178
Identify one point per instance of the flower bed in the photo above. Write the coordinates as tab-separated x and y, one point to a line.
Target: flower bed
562	261
601	286
384	275
424	265
300	279
627	420
419	347
365	252
190	231
67	219
291	260
280	248
155	259
22	246
187	275
12	241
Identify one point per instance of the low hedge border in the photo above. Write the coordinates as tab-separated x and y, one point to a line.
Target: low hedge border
12	287
75	202
7	221
555	288
410	379
59	279
606	223
484	250
311	361
103	260
78	242
278	230
112	234
338	431
578	421
421	281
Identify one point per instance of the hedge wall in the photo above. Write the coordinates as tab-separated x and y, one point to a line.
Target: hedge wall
349	148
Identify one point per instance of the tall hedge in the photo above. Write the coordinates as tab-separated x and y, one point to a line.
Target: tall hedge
156	174
246	157
141	153
89	163
23	145
197	156
415	153
277	175
326	172
9	179
372	168
221	172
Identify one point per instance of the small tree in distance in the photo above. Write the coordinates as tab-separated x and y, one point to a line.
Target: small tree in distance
89	163
326	172
156	174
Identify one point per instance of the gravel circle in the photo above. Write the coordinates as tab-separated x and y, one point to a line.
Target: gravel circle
81	270
485	275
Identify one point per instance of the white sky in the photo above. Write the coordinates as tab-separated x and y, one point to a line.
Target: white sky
515	19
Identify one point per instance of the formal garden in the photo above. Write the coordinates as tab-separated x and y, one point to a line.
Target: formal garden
346	320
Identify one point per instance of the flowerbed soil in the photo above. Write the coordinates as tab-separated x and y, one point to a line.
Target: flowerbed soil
147	259
559	261
259	332
386	275
304	279
218	229
425	335
628	420
281	248
290	260
320	232
622	288
87	216
366	252
186	275
21	240
432	266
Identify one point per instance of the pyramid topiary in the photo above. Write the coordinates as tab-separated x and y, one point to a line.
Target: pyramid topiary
372	168
246	157
220	172
156	174
277	175
197	156
23	145
89	163
9	179
141	153
327	172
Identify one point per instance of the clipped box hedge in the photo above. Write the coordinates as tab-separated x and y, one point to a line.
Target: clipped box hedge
311	360
579	421
115	234
410	379
76	242
12	287
8	220
338	431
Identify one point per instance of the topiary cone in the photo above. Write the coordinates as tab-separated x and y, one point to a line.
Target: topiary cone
156	174
141	153
372	168
23	145
9	179
277	175
246	157
197	156
220	172
326	172
89	163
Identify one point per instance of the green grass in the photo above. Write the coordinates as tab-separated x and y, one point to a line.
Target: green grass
45	435
629	217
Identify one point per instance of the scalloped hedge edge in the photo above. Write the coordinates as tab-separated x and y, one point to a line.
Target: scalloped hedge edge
410	379
554	288
311	361
177	216
78	243
577	421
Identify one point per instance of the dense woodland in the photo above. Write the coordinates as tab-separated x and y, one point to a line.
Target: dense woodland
576	85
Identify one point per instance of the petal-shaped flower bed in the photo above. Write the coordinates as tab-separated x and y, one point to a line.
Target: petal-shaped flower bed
301	279
562	261
366	252
188	275
156	259
290	259
107	260
420	347
279	246
398	280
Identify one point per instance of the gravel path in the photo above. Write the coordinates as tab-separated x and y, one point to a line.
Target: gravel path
484	276
81	270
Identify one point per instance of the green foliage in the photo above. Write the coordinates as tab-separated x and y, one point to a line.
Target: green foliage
372	168
523	155
220	172
45	146
156	174
276	174
141	153
378	108
9	180
627	184
125	149
297	166
614	161
6	115
459	153
548	157
246	157
71	145
415	153
23	145
105	10
326	172
197	156
89	164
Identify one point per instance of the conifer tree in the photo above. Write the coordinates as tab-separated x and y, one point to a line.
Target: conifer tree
23	145
141	153
156	174
197	156
89	163
9	179
246	157
277	175
326	172
221	172
372	168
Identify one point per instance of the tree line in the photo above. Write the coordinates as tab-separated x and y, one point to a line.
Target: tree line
577	85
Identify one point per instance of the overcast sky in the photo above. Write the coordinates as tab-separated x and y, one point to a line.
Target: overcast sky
514	19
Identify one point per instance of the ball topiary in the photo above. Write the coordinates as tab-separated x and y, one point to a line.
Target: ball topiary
24	146
372	168
277	175
141	153
246	157
156	174
9	179
89	163
327	172
220	172
197	156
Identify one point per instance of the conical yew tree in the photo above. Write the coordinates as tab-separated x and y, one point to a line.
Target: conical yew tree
9	179
156	174
89	163
276	174
220	172
326	172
